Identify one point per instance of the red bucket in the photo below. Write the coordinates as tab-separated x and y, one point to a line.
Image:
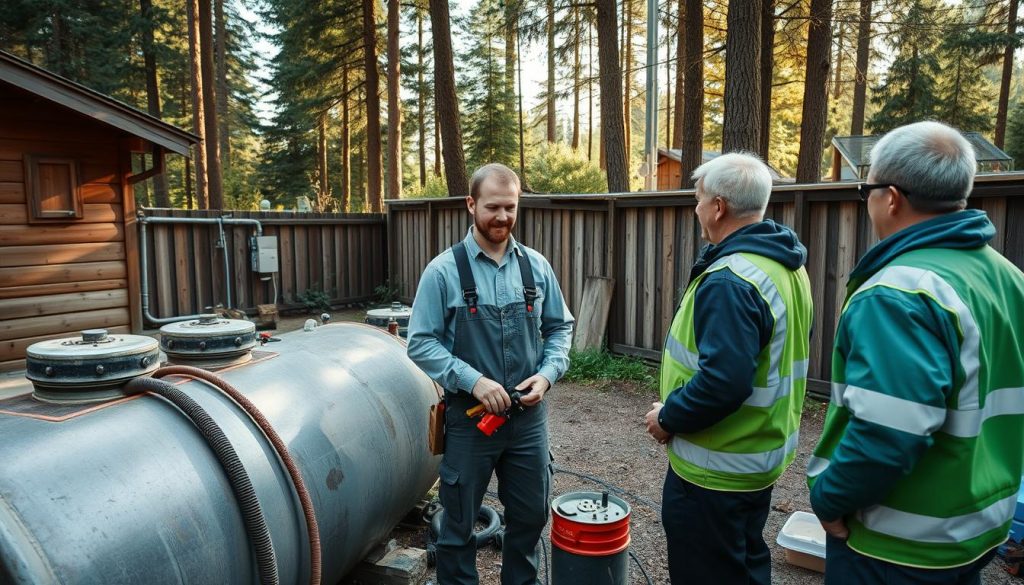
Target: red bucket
590	524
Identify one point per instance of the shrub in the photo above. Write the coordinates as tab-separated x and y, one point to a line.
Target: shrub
557	168
598	364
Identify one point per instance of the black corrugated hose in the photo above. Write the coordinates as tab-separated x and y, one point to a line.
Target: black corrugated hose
252	513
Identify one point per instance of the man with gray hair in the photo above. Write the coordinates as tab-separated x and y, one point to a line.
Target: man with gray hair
733	377
916	473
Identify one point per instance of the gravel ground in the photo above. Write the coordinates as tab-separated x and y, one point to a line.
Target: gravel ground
598	430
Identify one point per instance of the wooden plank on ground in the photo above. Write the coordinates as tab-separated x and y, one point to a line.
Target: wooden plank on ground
38	290
61	254
593	317
398	566
23	235
63	303
11	329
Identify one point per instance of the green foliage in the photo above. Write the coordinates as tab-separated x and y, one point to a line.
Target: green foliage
598	364
490	125
1015	133
434	187
386	293
315	300
556	168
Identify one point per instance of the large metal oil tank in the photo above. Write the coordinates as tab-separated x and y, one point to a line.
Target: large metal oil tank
127	491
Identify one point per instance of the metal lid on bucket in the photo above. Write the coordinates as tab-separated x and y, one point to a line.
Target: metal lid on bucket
86	367
590	523
208	338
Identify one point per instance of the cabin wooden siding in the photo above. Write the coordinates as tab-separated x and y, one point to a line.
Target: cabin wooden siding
61	277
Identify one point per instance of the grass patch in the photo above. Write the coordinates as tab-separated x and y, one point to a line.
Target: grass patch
599	365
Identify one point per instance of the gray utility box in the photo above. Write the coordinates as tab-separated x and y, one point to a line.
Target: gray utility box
264	254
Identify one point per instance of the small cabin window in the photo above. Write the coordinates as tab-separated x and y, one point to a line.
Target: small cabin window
52	189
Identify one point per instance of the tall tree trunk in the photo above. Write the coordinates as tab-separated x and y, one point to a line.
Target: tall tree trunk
198	105
742	124
627	73
551	70
373	154
767	69
152	91
512	8
437	138
860	84
668	78
394	174
612	132
421	119
837	71
213	169
692	140
346	145
519	98
321	155
681	35
590	92
223	116
188	159
1004	83
576	77
812	126
447	101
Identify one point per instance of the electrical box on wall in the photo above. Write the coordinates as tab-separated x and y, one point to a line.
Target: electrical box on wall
264	254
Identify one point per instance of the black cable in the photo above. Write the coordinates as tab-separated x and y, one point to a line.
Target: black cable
641	567
252	514
612	487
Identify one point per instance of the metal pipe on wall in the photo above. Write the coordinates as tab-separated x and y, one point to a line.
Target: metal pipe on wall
222	241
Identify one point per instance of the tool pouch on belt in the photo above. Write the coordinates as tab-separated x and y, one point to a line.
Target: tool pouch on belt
435	426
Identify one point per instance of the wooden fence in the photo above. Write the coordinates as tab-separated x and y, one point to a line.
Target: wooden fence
342	255
647	243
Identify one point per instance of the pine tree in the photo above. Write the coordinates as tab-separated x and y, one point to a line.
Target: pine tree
910	91
490	115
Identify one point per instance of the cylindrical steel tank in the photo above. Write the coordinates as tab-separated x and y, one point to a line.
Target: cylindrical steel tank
128	491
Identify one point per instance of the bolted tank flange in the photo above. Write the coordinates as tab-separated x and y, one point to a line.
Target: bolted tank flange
90	367
208	338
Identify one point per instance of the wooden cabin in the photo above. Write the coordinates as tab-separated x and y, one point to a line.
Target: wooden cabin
68	252
670	168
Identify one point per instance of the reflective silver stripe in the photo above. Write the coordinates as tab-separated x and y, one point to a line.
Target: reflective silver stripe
742	463
896	413
921	528
816	465
688	359
767	396
1002	402
838	389
918	279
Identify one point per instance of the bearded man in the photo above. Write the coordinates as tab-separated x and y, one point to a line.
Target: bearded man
489	320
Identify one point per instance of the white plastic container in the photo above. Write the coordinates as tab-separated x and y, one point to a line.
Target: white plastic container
803	538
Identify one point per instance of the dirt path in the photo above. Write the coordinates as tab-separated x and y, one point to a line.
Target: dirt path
599	431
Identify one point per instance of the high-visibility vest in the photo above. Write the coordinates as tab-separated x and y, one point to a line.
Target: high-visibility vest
957	502
750	448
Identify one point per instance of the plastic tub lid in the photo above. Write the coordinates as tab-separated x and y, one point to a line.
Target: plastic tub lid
803	533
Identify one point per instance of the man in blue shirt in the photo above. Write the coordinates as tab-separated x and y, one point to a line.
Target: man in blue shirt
489	318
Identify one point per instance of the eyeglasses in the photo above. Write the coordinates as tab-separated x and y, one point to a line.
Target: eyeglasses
865	189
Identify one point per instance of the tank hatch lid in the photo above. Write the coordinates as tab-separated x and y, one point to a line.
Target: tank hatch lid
94	360
207	337
590	507
396	310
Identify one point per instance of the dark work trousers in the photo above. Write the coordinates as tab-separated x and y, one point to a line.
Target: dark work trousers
845	566
715	537
503	343
518	453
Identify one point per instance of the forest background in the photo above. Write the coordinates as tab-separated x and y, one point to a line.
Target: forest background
349	102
